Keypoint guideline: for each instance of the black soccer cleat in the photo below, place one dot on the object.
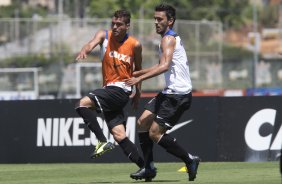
(193, 167)
(144, 173)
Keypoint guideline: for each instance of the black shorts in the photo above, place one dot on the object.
(110, 100)
(168, 108)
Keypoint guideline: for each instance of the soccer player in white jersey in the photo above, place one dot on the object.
(163, 111)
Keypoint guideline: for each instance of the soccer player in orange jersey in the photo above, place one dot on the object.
(121, 56)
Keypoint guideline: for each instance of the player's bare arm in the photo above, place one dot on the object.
(138, 67)
(167, 46)
(143, 71)
(87, 48)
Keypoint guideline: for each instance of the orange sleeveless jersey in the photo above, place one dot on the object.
(118, 60)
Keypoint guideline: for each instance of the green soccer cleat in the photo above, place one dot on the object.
(101, 148)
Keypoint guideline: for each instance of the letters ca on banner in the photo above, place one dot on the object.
(253, 137)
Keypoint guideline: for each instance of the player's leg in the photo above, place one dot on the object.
(146, 144)
(171, 146)
(85, 107)
(158, 135)
(110, 101)
(129, 149)
(143, 124)
(171, 109)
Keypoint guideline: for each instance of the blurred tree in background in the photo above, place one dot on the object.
(232, 14)
(18, 10)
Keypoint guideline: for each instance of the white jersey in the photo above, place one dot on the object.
(177, 78)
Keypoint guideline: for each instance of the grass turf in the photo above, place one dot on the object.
(90, 173)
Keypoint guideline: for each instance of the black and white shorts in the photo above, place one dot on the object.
(168, 108)
(110, 100)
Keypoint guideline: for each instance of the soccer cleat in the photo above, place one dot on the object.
(101, 148)
(144, 173)
(193, 167)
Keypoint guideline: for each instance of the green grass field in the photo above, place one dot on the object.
(89, 173)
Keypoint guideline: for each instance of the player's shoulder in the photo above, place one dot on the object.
(102, 33)
(168, 39)
(134, 41)
(132, 38)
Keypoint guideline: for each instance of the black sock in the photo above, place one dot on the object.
(131, 152)
(90, 119)
(146, 145)
(172, 147)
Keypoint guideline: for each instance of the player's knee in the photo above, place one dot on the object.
(139, 125)
(119, 137)
(154, 135)
(118, 134)
(80, 104)
(77, 105)
(139, 122)
(143, 125)
(84, 102)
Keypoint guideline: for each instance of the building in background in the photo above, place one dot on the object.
(265, 2)
(5, 2)
(49, 4)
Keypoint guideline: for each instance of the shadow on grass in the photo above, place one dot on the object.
(154, 181)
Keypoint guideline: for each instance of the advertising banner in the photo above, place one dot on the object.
(50, 131)
(250, 128)
(215, 128)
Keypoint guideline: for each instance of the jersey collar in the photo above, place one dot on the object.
(170, 32)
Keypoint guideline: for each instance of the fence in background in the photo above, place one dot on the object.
(61, 39)
(58, 38)
(19, 83)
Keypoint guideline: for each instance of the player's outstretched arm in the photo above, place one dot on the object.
(88, 47)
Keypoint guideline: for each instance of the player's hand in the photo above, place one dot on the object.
(132, 81)
(81, 55)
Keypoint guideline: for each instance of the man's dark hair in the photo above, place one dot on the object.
(123, 14)
(169, 11)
